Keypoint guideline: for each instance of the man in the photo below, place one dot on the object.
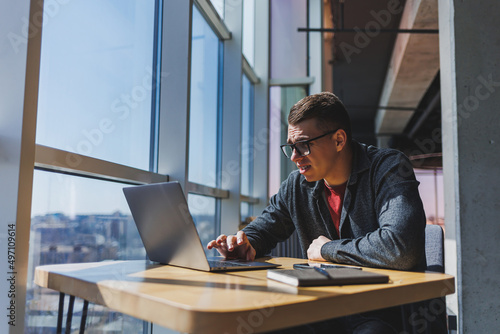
(349, 203)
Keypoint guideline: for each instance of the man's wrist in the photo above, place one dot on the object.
(328, 250)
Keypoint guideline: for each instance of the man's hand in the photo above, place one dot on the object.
(314, 250)
(233, 246)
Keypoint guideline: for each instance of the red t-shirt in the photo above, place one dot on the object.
(334, 198)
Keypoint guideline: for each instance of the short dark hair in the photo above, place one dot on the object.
(326, 108)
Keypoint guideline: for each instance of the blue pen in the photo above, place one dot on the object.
(323, 272)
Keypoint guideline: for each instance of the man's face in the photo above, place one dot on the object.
(321, 162)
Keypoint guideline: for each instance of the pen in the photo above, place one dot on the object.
(323, 272)
(340, 267)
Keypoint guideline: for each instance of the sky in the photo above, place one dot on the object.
(94, 98)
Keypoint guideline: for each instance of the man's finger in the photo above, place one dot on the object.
(230, 242)
(221, 238)
(241, 237)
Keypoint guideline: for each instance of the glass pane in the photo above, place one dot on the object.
(248, 30)
(281, 100)
(76, 220)
(431, 192)
(204, 103)
(203, 210)
(219, 7)
(246, 137)
(288, 46)
(96, 79)
(246, 214)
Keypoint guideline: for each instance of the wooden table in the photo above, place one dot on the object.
(198, 302)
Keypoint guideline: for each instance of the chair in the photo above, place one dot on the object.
(429, 316)
(434, 256)
(434, 248)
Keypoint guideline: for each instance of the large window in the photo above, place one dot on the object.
(204, 125)
(96, 80)
(247, 146)
(281, 100)
(289, 76)
(431, 192)
(131, 92)
(76, 220)
(288, 46)
(204, 103)
(96, 100)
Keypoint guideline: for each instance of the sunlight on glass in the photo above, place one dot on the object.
(246, 146)
(204, 103)
(96, 80)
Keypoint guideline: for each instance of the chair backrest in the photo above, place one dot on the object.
(434, 248)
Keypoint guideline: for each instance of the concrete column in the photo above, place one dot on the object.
(470, 95)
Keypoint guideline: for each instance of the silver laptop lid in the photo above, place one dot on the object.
(165, 225)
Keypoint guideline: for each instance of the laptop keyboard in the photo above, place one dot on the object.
(223, 264)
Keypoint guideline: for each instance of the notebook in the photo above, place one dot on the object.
(168, 232)
(333, 276)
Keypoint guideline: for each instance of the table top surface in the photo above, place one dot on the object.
(201, 302)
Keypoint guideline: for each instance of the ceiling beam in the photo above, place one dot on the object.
(413, 66)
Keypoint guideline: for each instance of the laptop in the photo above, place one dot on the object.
(168, 232)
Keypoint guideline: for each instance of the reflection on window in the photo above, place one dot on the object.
(246, 146)
(286, 42)
(76, 220)
(281, 100)
(204, 103)
(248, 30)
(203, 210)
(96, 80)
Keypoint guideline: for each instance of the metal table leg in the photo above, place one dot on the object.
(60, 313)
(69, 317)
(84, 316)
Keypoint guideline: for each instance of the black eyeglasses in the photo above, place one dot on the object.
(302, 147)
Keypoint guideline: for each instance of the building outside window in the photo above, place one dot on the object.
(95, 101)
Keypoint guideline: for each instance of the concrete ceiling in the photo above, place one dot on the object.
(386, 79)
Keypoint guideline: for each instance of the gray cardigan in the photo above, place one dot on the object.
(382, 222)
